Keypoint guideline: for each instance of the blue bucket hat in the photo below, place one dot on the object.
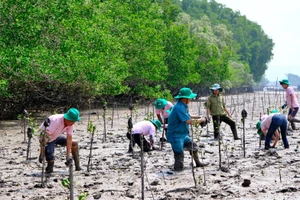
(72, 115)
(185, 93)
(216, 86)
(157, 123)
(284, 81)
(160, 103)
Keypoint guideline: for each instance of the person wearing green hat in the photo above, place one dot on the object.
(59, 124)
(162, 110)
(269, 127)
(216, 107)
(178, 129)
(142, 129)
(291, 102)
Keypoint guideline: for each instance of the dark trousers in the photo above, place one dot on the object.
(137, 139)
(49, 149)
(218, 119)
(278, 121)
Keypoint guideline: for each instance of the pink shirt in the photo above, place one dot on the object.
(57, 127)
(290, 92)
(267, 122)
(163, 111)
(145, 127)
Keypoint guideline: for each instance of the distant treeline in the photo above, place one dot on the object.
(67, 53)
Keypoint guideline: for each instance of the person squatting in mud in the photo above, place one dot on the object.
(178, 129)
(59, 124)
(269, 126)
(291, 102)
(142, 129)
(217, 109)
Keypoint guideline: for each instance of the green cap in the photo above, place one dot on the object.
(274, 111)
(284, 81)
(259, 131)
(72, 115)
(157, 123)
(160, 103)
(185, 93)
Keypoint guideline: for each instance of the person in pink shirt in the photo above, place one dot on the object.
(269, 126)
(291, 101)
(162, 110)
(59, 124)
(141, 129)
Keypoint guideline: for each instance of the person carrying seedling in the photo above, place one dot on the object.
(217, 109)
(291, 102)
(178, 129)
(162, 110)
(142, 129)
(269, 127)
(59, 124)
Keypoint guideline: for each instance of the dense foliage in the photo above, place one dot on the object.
(66, 52)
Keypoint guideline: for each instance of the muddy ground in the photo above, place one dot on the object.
(116, 174)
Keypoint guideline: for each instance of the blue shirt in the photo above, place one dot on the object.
(177, 126)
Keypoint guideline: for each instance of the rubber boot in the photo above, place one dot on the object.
(178, 165)
(235, 136)
(75, 154)
(196, 159)
(216, 135)
(49, 168)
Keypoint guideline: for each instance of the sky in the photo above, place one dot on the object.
(280, 20)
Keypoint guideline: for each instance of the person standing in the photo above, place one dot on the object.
(142, 129)
(59, 124)
(178, 129)
(217, 109)
(269, 127)
(291, 101)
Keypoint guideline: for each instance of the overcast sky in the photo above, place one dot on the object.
(280, 20)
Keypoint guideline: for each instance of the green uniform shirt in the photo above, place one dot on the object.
(216, 105)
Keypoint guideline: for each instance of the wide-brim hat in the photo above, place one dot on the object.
(157, 123)
(72, 115)
(185, 93)
(284, 81)
(259, 131)
(216, 86)
(160, 103)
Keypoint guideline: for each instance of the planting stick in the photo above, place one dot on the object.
(92, 130)
(219, 140)
(142, 166)
(29, 135)
(193, 170)
(43, 134)
(24, 124)
(104, 113)
(163, 136)
(253, 106)
(130, 126)
(69, 163)
(244, 115)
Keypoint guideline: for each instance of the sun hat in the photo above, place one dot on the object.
(185, 93)
(216, 86)
(274, 111)
(72, 115)
(160, 103)
(284, 81)
(259, 131)
(157, 123)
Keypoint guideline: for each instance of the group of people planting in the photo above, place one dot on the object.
(175, 120)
